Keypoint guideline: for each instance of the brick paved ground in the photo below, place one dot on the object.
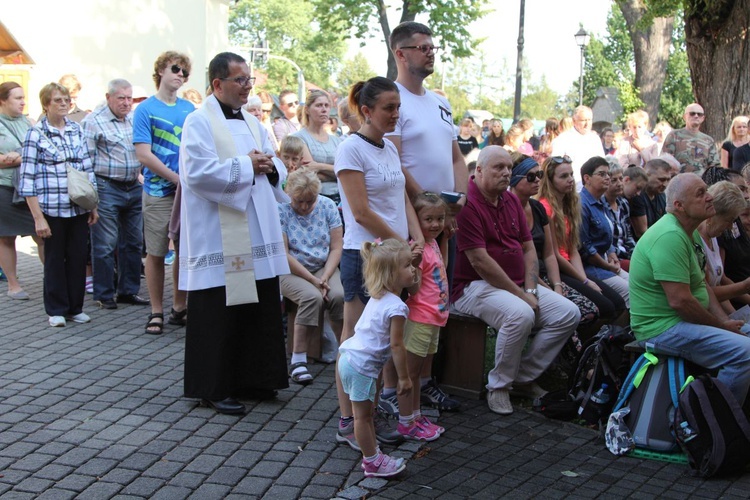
(95, 411)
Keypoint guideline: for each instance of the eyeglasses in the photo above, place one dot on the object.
(266, 110)
(695, 113)
(424, 49)
(700, 255)
(60, 100)
(561, 159)
(176, 69)
(291, 103)
(242, 81)
(532, 176)
(602, 173)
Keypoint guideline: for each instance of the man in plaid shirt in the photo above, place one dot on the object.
(109, 134)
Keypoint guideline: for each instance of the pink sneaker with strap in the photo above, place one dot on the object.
(383, 466)
(429, 425)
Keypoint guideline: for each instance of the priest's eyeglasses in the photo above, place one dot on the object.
(242, 81)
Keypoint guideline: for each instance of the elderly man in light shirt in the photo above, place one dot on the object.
(579, 143)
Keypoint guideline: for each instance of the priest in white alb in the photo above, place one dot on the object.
(231, 247)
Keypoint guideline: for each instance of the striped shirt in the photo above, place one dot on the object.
(110, 144)
(46, 151)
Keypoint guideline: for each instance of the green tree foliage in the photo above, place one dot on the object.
(288, 27)
(448, 19)
(353, 70)
(610, 62)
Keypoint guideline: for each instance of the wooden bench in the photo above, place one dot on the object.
(459, 364)
(313, 341)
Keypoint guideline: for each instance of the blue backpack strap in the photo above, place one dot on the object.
(635, 377)
(676, 374)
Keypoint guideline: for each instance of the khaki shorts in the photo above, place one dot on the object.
(421, 339)
(156, 215)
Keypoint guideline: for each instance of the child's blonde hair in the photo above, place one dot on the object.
(291, 145)
(381, 263)
(426, 199)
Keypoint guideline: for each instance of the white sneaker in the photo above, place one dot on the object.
(80, 318)
(499, 402)
(56, 321)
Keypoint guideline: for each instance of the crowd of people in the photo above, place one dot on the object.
(378, 232)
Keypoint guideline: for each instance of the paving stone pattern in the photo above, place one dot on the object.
(96, 411)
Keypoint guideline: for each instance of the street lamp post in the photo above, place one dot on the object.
(582, 40)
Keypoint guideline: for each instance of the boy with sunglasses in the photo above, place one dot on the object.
(157, 131)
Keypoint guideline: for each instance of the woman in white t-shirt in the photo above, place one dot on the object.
(374, 204)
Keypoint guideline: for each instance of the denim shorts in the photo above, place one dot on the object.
(351, 276)
(359, 387)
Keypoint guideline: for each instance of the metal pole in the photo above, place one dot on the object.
(580, 80)
(519, 66)
(300, 75)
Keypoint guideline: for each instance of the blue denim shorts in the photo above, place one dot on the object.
(359, 387)
(351, 276)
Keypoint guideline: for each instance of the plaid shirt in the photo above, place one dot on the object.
(46, 151)
(110, 144)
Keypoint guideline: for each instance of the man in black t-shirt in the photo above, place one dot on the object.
(650, 205)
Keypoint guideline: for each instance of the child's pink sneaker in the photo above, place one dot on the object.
(383, 466)
(416, 432)
(427, 424)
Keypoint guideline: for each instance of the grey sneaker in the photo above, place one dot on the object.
(389, 404)
(499, 402)
(385, 431)
(345, 434)
(433, 395)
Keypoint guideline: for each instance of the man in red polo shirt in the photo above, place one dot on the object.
(496, 279)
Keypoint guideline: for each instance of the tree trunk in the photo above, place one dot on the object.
(406, 15)
(719, 54)
(651, 52)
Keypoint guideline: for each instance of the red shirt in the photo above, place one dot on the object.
(501, 230)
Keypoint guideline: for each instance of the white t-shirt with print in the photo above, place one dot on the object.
(384, 182)
(425, 125)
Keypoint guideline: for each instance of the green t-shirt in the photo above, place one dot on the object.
(664, 253)
(12, 134)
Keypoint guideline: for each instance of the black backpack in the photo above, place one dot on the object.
(603, 360)
(712, 429)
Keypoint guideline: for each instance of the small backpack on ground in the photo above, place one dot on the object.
(600, 370)
(651, 391)
(712, 429)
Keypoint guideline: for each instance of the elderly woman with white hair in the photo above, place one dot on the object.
(638, 147)
(254, 106)
(729, 203)
(313, 236)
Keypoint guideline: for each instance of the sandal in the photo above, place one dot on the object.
(301, 376)
(153, 327)
(178, 318)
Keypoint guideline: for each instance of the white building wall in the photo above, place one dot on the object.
(99, 40)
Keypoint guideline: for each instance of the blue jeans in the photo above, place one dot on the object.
(712, 348)
(120, 228)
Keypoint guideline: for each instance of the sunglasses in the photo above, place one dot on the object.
(242, 81)
(695, 113)
(176, 70)
(291, 103)
(532, 176)
(424, 49)
(561, 159)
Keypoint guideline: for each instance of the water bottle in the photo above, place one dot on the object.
(601, 397)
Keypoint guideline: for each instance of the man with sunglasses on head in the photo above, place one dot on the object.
(694, 150)
(157, 130)
(233, 248)
(427, 144)
(289, 123)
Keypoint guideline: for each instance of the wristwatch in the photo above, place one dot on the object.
(532, 291)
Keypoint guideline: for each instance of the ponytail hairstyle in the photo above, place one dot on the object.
(381, 262)
(367, 94)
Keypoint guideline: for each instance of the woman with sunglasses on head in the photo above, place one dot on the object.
(524, 183)
(561, 202)
(320, 146)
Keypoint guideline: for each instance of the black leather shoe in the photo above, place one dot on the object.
(227, 406)
(132, 299)
(108, 304)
